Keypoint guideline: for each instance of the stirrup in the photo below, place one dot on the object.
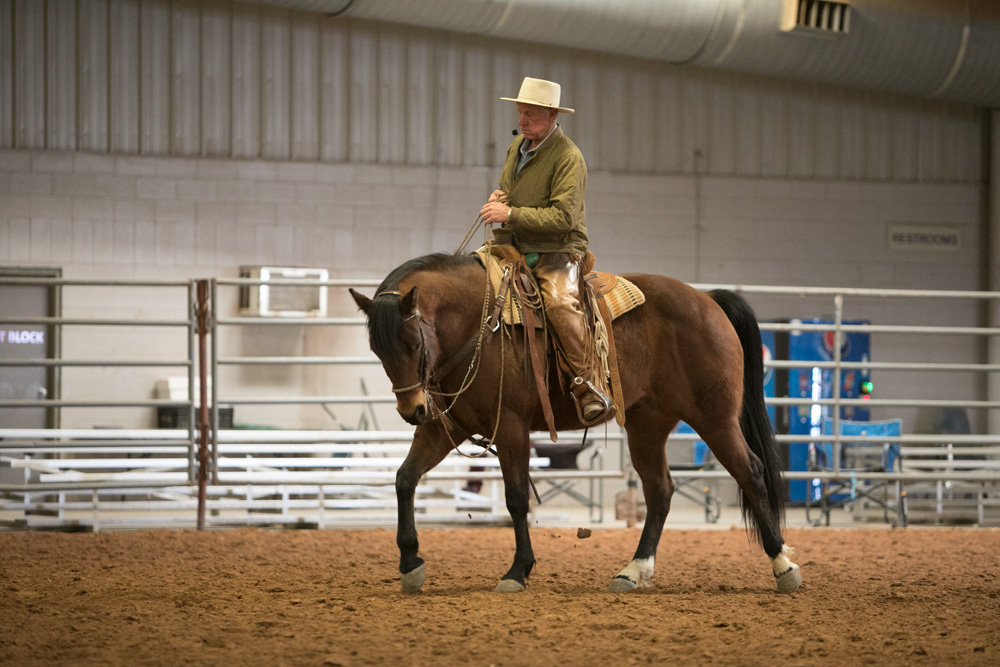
(581, 386)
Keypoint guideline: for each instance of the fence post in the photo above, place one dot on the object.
(201, 310)
(838, 323)
(993, 262)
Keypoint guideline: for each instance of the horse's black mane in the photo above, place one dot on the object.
(384, 318)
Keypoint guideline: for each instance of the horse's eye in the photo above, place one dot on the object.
(416, 346)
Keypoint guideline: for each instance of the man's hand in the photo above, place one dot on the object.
(498, 195)
(495, 213)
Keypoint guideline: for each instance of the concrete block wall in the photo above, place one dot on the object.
(108, 216)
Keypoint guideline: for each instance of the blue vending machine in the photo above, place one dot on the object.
(812, 383)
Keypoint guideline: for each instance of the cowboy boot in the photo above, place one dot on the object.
(558, 277)
(591, 403)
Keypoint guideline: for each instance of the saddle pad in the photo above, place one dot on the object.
(621, 298)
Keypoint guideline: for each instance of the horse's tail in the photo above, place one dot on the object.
(754, 422)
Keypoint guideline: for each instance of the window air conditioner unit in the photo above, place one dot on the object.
(269, 300)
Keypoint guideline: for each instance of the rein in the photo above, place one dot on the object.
(476, 345)
(473, 346)
(429, 379)
(428, 375)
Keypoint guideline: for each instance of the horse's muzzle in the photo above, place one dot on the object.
(414, 410)
(416, 417)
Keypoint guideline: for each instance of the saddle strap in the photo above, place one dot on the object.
(616, 383)
(543, 394)
(497, 315)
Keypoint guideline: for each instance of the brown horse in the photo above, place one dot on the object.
(683, 355)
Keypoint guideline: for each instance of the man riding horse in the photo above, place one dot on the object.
(540, 202)
(687, 355)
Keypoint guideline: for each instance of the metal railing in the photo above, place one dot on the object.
(59, 322)
(838, 365)
(222, 395)
(54, 443)
(933, 465)
(219, 321)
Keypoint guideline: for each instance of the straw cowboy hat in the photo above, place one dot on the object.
(540, 93)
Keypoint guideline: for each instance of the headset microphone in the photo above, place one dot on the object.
(514, 132)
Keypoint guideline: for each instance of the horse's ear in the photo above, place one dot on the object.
(364, 303)
(408, 304)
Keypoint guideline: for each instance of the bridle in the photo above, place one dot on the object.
(422, 368)
(472, 345)
(430, 378)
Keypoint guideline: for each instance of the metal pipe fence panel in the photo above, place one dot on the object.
(26, 453)
(269, 455)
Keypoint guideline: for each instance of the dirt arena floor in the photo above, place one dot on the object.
(327, 598)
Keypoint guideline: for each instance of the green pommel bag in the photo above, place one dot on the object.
(531, 259)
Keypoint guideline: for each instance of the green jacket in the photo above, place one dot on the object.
(547, 197)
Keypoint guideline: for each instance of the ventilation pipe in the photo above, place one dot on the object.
(944, 49)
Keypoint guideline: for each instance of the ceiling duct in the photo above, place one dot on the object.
(944, 49)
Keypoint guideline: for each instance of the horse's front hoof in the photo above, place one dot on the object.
(414, 580)
(789, 580)
(509, 586)
(622, 584)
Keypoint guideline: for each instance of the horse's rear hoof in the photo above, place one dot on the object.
(789, 580)
(414, 580)
(509, 586)
(622, 584)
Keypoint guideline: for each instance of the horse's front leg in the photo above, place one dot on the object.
(430, 446)
(513, 454)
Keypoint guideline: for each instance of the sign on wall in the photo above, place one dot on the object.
(924, 238)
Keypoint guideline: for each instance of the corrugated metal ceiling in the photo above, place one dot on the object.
(943, 49)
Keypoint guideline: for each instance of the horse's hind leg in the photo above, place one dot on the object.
(730, 448)
(647, 437)
(430, 446)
